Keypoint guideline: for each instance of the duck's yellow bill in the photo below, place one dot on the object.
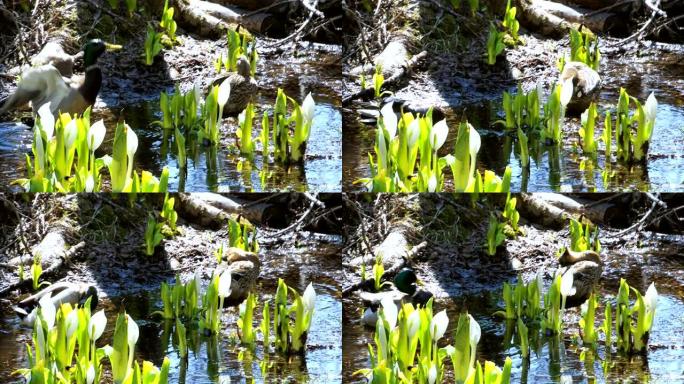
(113, 47)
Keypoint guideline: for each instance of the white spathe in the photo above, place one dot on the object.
(97, 325)
(389, 312)
(389, 120)
(439, 325)
(96, 135)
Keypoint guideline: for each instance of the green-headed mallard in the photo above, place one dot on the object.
(244, 268)
(404, 290)
(586, 267)
(586, 84)
(242, 87)
(45, 84)
(59, 293)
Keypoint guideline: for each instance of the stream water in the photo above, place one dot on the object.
(220, 168)
(563, 169)
(555, 359)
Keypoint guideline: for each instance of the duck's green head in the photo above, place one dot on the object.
(405, 281)
(94, 48)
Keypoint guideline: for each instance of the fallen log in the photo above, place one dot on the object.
(601, 213)
(49, 250)
(198, 211)
(535, 17)
(272, 215)
(536, 209)
(392, 82)
(211, 20)
(595, 21)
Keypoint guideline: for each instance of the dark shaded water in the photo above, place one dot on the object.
(218, 169)
(554, 359)
(566, 169)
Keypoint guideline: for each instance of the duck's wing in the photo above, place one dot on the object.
(53, 289)
(53, 54)
(374, 298)
(38, 85)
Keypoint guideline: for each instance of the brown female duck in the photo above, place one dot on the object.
(586, 267)
(242, 87)
(586, 84)
(244, 268)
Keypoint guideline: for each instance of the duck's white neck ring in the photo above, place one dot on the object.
(92, 67)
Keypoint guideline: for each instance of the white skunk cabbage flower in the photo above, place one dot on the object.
(413, 323)
(382, 336)
(70, 133)
(223, 93)
(651, 108)
(475, 331)
(432, 374)
(133, 331)
(439, 324)
(389, 120)
(72, 323)
(432, 183)
(97, 325)
(90, 374)
(96, 135)
(308, 108)
(390, 312)
(89, 184)
(651, 298)
(47, 309)
(566, 92)
(309, 298)
(47, 120)
(566, 287)
(413, 132)
(439, 134)
(131, 143)
(224, 282)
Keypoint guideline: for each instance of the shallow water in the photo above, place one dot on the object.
(219, 169)
(565, 169)
(553, 359)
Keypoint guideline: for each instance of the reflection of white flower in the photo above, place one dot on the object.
(389, 311)
(90, 374)
(439, 324)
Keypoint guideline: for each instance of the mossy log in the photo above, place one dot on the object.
(536, 209)
(607, 22)
(196, 210)
(536, 17)
(598, 213)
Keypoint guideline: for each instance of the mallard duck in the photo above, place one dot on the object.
(404, 290)
(244, 269)
(61, 293)
(45, 84)
(586, 85)
(242, 87)
(586, 267)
